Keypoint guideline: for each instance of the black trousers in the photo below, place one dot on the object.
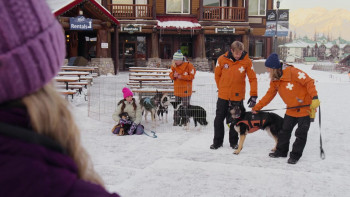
(219, 128)
(289, 123)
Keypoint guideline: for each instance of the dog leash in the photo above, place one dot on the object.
(322, 154)
(153, 136)
(266, 110)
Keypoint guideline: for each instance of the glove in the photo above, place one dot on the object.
(315, 102)
(252, 101)
(312, 113)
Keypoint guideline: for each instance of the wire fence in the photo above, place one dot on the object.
(106, 92)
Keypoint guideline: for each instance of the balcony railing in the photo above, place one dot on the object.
(131, 11)
(235, 14)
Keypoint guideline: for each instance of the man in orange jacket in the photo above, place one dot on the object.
(183, 74)
(296, 88)
(230, 74)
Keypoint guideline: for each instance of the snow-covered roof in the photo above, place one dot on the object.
(178, 22)
(55, 5)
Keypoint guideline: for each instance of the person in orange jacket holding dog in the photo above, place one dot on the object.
(230, 74)
(183, 74)
(296, 88)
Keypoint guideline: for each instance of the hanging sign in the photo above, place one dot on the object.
(282, 23)
(80, 23)
(225, 30)
(131, 29)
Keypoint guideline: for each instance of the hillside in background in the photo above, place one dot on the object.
(320, 20)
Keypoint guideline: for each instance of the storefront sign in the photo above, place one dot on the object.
(131, 29)
(225, 30)
(80, 23)
(104, 45)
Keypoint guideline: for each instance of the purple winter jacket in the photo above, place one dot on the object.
(34, 165)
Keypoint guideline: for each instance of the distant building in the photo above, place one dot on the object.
(306, 50)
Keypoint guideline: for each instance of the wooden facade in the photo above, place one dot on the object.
(143, 39)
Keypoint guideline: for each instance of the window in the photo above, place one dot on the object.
(257, 7)
(177, 6)
(214, 3)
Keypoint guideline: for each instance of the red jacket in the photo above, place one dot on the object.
(230, 77)
(183, 84)
(295, 87)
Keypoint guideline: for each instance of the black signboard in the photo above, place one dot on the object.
(225, 30)
(131, 29)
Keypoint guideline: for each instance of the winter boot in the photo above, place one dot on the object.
(214, 146)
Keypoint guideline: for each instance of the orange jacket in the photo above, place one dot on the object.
(183, 85)
(295, 87)
(230, 77)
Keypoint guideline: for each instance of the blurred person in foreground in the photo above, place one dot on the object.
(230, 75)
(40, 148)
(183, 74)
(296, 88)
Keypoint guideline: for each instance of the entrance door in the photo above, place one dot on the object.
(129, 51)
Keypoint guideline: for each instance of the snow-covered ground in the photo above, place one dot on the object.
(180, 163)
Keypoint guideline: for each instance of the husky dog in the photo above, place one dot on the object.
(198, 114)
(247, 122)
(163, 107)
(151, 104)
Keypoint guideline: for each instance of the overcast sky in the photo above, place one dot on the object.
(329, 4)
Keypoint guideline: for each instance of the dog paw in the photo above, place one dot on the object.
(273, 150)
(236, 152)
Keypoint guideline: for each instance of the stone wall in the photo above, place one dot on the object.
(105, 65)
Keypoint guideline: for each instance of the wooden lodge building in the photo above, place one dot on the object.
(128, 33)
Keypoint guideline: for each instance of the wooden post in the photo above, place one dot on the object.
(245, 40)
(246, 10)
(116, 44)
(200, 14)
(102, 37)
(154, 9)
(199, 46)
(155, 48)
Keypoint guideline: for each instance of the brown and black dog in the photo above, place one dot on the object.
(247, 122)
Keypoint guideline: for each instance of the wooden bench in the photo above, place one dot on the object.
(147, 68)
(83, 83)
(148, 75)
(67, 92)
(152, 91)
(72, 87)
(148, 71)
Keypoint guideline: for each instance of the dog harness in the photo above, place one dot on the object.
(253, 122)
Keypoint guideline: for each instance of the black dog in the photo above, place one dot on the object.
(247, 122)
(125, 123)
(198, 114)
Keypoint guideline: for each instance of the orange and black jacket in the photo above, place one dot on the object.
(183, 86)
(230, 75)
(295, 87)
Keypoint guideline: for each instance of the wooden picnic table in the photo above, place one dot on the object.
(142, 79)
(148, 75)
(73, 73)
(66, 80)
(78, 68)
(147, 68)
(149, 71)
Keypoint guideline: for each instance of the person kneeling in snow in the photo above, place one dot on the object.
(128, 106)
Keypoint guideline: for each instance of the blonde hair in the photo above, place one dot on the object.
(237, 45)
(276, 74)
(50, 116)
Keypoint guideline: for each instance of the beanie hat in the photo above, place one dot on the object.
(178, 55)
(273, 61)
(127, 92)
(32, 47)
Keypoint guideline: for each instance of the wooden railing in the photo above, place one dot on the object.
(235, 14)
(131, 11)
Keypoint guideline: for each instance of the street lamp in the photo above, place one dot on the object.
(277, 6)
